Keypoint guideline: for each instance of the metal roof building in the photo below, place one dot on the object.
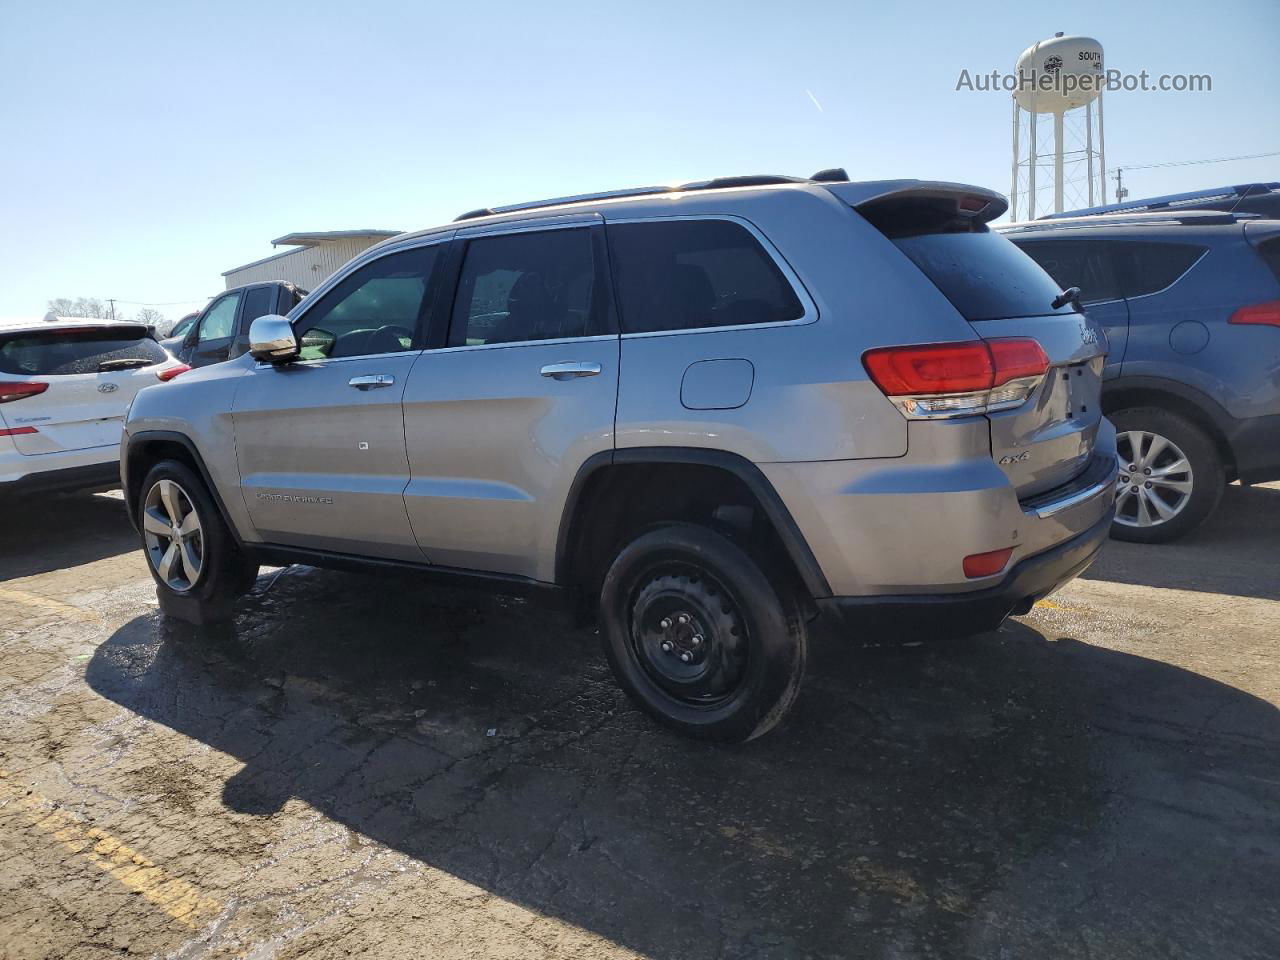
(316, 255)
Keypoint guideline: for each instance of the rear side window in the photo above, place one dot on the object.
(1145, 268)
(1076, 263)
(1269, 251)
(691, 274)
(983, 275)
(258, 302)
(524, 286)
(69, 352)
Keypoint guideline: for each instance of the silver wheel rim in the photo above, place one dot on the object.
(171, 530)
(1155, 480)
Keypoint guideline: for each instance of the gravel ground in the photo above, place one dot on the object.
(371, 767)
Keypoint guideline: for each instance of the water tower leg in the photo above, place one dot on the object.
(1102, 153)
(1088, 147)
(1032, 118)
(1057, 162)
(1013, 190)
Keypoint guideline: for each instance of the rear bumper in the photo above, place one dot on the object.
(1033, 578)
(1255, 444)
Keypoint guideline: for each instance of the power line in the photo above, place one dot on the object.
(1192, 163)
(170, 303)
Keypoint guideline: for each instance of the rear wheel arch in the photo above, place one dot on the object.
(618, 494)
(1201, 410)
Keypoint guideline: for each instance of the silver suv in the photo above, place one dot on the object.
(707, 414)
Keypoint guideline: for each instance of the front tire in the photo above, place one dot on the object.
(1171, 475)
(699, 636)
(191, 554)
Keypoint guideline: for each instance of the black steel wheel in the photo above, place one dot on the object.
(700, 636)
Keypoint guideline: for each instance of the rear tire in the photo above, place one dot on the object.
(699, 636)
(1177, 480)
(192, 556)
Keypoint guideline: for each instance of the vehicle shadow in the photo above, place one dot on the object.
(56, 531)
(990, 796)
(1236, 551)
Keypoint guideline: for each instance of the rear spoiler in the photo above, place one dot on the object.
(975, 203)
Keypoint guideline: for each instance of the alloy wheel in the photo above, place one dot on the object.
(173, 536)
(1155, 480)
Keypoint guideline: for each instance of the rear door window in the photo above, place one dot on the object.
(691, 274)
(1146, 268)
(1086, 264)
(983, 275)
(258, 302)
(535, 285)
(68, 352)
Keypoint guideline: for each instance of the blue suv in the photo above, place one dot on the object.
(1190, 300)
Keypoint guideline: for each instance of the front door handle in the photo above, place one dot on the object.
(569, 369)
(372, 381)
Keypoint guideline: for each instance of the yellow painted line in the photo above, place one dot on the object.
(47, 603)
(181, 900)
(1049, 605)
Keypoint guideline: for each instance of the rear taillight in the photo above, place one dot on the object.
(17, 431)
(958, 379)
(19, 389)
(986, 564)
(1263, 314)
(171, 372)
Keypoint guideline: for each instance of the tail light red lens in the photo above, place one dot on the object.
(986, 564)
(957, 379)
(167, 375)
(20, 389)
(17, 431)
(1264, 314)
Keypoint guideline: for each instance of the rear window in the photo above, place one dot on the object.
(67, 352)
(690, 274)
(983, 275)
(1076, 263)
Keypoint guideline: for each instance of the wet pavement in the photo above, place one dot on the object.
(372, 767)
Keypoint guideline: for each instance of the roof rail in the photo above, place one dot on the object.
(831, 175)
(1173, 201)
(1190, 218)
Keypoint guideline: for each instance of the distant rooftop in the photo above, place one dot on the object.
(313, 239)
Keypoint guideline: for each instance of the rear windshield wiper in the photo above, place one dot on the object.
(126, 364)
(1070, 295)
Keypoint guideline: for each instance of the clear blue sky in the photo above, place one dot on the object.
(145, 148)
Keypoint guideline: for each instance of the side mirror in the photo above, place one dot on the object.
(271, 340)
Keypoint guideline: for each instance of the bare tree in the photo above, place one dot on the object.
(79, 307)
(152, 316)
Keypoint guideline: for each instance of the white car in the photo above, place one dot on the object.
(65, 387)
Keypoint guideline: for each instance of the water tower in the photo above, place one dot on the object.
(1061, 77)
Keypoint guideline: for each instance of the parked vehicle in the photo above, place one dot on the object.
(64, 390)
(1262, 199)
(1191, 304)
(709, 413)
(221, 330)
(172, 341)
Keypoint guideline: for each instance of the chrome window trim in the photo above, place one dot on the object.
(520, 343)
(528, 225)
(810, 314)
(1176, 280)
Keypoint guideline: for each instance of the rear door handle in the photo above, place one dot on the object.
(372, 381)
(569, 369)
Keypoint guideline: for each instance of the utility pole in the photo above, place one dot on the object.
(113, 308)
(1121, 192)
